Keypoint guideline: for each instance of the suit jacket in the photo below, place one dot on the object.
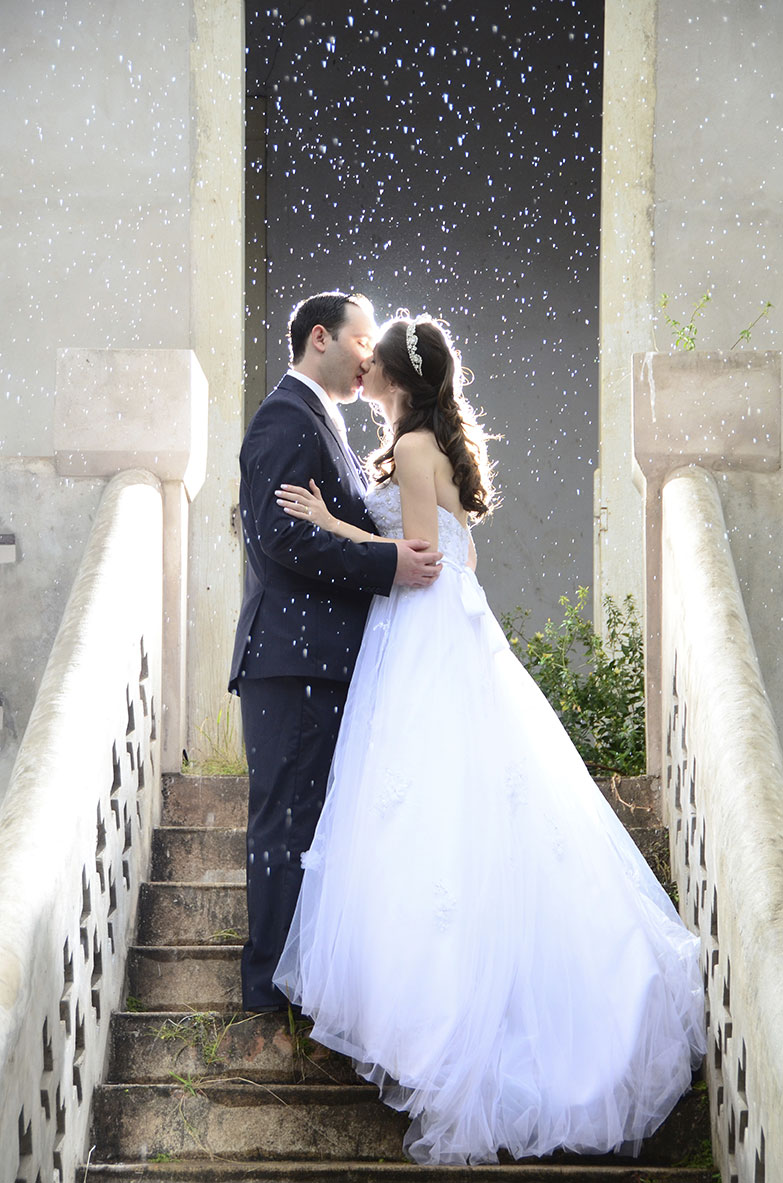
(307, 592)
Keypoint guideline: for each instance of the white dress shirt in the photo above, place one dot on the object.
(335, 415)
(329, 405)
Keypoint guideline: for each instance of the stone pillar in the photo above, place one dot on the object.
(626, 286)
(716, 410)
(217, 313)
(143, 408)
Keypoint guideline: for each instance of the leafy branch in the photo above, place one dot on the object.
(685, 332)
(595, 685)
(745, 334)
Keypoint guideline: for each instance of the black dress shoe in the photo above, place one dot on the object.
(275, 1008)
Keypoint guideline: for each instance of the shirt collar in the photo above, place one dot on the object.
(331, 408)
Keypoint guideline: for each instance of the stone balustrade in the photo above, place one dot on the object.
(720, 410)
(75, 828)
(723, 803)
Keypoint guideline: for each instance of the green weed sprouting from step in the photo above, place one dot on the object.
(322, 1132)
(302, 1048)
(301, 1045)
(700, 1158)
(199, 1030)
(162, 1157)
(134, 1004)
(205, 1032)
(595, 685)
(190, 1084)
(190, 1129)
(226, 936)
(219, 749)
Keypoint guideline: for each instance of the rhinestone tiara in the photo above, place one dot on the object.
(412, 341)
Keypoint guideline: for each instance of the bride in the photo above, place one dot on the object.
(475, 927)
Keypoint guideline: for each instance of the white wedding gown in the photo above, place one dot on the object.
(475, 927)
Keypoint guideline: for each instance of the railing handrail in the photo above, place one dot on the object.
(724, 772)
(74, 836)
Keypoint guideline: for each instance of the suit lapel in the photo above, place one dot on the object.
(316, 406)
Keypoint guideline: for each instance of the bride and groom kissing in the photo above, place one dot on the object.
(431, 873)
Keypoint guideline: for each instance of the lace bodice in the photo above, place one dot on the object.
(383, 502)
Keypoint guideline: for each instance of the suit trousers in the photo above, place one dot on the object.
(290, 726)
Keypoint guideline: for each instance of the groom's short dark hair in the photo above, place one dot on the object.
(327, 309)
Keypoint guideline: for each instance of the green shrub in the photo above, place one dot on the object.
(596, 686)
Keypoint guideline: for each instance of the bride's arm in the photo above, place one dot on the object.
(309, 506)
(414, 456)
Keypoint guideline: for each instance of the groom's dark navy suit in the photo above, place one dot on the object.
(306, 599)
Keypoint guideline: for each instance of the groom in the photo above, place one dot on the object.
(307, 593)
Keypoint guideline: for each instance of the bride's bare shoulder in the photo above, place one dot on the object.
(416, 446)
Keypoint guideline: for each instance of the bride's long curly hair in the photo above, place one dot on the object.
(435, 402)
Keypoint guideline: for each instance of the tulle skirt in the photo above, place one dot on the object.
(475, 928)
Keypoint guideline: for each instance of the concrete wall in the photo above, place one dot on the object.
(448, 162)
(692, 201)
(35, 586)
(719, 165)
(95, 191)
(121, 196)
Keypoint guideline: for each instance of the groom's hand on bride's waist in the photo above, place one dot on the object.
(417, 565)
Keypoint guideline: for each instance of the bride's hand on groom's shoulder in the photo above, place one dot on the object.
(417, 565)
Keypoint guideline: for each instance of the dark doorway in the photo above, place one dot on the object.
(445, 157)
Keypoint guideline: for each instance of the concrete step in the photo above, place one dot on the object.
(186, 977)
(357, 1172)
(192, 914)
(283, 1121)
(205, 801)
(246, 1120)
(150, 1048)
(216, 913)
(205, 855)
(198, 854)
(222, 800)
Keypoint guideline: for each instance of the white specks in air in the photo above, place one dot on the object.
(447, 158)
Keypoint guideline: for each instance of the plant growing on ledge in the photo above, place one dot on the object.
(596, 686)
(685, 332)
(220, 751)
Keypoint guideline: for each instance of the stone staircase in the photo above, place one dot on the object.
(196, 1090)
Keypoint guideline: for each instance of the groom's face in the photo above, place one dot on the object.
(345, 357)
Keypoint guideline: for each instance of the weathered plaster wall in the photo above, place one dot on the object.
(95, 192)
(34, 588)
(692, 200)
(719, 166)
(121, 193)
